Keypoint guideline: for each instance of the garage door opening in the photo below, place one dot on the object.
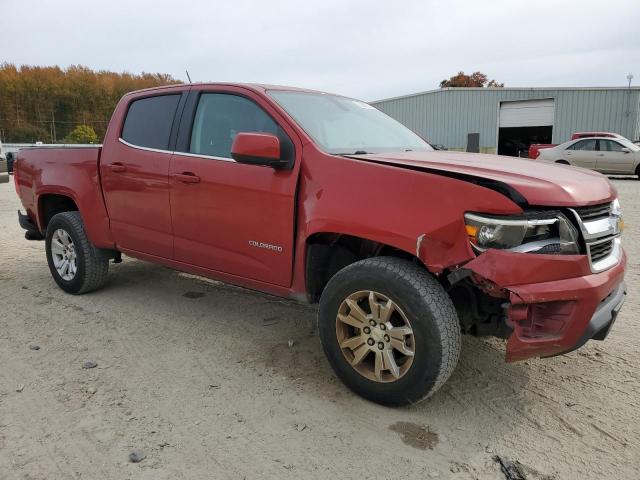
(515, 141)
(522, 123)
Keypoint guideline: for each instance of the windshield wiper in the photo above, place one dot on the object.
(357, 152)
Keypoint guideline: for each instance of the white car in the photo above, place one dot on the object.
(605, 155)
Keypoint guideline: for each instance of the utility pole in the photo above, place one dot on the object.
(53, 126)
(628, 112)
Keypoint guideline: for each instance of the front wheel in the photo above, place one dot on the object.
(389, 330)
(76, 265)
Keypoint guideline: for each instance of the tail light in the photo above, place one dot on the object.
(15, 175)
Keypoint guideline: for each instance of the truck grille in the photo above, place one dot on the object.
(601, 250)
(594, 212)
(600, 228)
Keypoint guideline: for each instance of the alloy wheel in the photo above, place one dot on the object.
(375, 336)
(63, 252)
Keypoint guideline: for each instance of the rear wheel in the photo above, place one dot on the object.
(638, 172)
(76, 265)
(389, 330)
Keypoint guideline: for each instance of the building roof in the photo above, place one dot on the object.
(499, 89)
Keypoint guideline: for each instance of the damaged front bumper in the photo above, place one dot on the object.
(556, 303)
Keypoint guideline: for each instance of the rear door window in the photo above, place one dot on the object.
(588, 145)
(149, 120)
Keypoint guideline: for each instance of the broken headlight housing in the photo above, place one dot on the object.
(533, 233)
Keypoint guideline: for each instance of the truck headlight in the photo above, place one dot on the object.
(552, 234)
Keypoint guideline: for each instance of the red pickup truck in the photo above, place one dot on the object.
(323, 198)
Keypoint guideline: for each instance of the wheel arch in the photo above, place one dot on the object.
(56, 199)
(329, 252)
(50, 204)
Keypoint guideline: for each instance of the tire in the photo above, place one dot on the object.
(419, 301)
(10, 162)
(91, 263)
(638, 172)
(563, 162)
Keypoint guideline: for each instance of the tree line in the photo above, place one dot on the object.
(74, 104)
(47, 104)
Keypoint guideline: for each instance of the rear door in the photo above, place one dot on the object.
(582, 153)
(613, 159)
(230, 217)
(135, 175)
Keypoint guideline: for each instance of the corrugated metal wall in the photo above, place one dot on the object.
(446, 116)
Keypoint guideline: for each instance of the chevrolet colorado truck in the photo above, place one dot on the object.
(323, 198)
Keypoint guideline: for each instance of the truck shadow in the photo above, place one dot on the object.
(276, 339)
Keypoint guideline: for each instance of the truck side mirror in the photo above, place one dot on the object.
(255, 148)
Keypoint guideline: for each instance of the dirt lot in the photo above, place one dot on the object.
(213, 381)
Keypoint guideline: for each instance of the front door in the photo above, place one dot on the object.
(230, 217)
(582, 153)
(612, 158)
(135, 177)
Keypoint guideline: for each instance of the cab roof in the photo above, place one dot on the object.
(257, 87)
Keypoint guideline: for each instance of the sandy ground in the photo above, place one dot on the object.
(201, 377)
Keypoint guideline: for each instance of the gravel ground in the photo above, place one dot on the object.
(198, 379)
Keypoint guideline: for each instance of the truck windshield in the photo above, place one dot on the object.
(344, 126)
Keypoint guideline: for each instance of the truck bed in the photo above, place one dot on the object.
(70, 171)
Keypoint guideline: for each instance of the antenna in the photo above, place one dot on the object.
(187, 71)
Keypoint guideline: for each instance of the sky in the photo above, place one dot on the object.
(365, 49)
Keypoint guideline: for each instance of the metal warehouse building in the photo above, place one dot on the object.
(508, 120)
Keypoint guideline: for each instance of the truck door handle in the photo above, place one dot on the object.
(187, 177)
(117, 167)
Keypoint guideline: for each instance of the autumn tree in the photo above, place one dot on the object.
(476, 79)
(82, 134)
(48, 103)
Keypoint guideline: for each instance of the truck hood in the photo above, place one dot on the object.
(540, 183)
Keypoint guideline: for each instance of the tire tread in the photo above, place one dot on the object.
(96, 262)
(438, 301)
